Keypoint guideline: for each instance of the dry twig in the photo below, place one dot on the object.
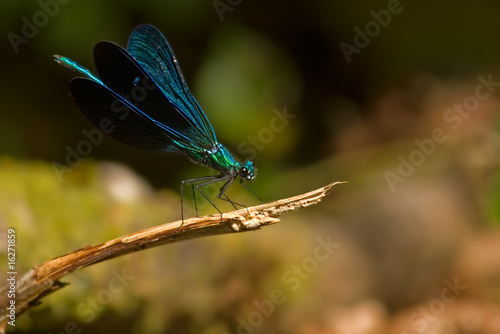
(43, 280)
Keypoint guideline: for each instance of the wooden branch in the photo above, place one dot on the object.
(43, 280)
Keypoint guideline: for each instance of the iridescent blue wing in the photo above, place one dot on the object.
(153, 52)
(126, 78)
(118, 118)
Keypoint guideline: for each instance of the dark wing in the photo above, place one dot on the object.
(121, 73)
(152, 50)
(118, 118)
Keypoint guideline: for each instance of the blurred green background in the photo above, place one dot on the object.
(416, 228)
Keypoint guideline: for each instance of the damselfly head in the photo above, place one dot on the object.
(247, 171)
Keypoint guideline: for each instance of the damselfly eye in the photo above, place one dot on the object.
(243, 172)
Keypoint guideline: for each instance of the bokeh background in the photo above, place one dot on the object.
(416, 230)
